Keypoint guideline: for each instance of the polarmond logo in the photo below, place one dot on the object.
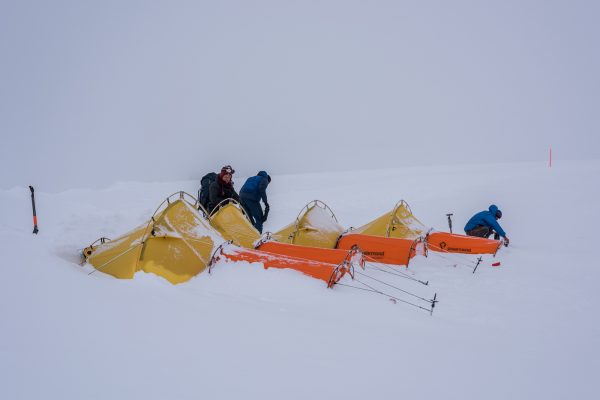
(374, 253)
(443, 246)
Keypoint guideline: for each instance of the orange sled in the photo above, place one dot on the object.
(452, 243)
(328, 272)
(381, 249)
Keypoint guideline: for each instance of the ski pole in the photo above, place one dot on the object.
(35, 227)
(450, 221)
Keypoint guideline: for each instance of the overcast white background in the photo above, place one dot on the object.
(93, 92)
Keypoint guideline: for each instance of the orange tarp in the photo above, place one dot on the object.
(452, 243)
(331, 256)
(330, 273)
(380, 249)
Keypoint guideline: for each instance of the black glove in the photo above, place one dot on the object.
(267, 208)
(506, 241)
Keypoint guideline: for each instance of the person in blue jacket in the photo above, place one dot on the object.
(253, 191)
(484, 223)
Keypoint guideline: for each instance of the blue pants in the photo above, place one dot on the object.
(255, 212)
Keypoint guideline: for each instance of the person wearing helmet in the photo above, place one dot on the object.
(222, 188)
(253, 191)
(485, 223)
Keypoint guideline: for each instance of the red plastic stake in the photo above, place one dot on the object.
(35, 227)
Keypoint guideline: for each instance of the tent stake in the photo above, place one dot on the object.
(477, 265)
(433, 301)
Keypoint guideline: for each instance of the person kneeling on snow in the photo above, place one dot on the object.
(484, 223)
(255, 189)
(222, 188)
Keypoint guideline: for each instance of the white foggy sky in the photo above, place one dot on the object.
(93, 92)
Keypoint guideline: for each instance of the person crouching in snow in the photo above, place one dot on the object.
(484, 223)
(222, 188)
(255, 189)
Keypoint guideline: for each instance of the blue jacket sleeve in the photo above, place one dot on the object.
(495, 225)
(262, 189)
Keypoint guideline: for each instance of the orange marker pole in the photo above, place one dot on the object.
(35, 227)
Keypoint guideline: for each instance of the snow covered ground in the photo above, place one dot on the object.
(525, 330)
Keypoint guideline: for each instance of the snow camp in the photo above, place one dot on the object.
(171, 248)
(297, 200)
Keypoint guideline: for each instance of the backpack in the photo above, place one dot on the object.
(205, 183)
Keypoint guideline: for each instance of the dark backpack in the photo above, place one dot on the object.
(205, 183)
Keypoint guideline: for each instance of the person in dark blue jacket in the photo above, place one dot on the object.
(484, 223)
(253, 191)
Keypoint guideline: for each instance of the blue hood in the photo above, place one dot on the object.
(264, 175)
(493, 208)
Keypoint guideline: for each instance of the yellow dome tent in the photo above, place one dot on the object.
(176, 244)
(230, 219)
(399, 223)
(315, 226)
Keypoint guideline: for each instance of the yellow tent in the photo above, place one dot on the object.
(399, 223)
(230, 220)
(315, 226)
(176, 244)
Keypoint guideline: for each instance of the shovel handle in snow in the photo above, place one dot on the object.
(450, 221)
(35, 227)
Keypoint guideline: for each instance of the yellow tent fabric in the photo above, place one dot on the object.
(230, 220)
(399, 223)
(315, 226)
(176, 243)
